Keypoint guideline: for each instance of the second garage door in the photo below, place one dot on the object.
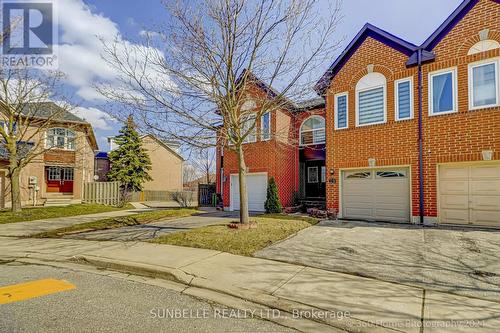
(470, 194)
(378, 195)
(256, 188)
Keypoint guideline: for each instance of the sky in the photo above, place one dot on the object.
(82, 21)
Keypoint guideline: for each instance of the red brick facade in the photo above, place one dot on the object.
(453, 137)
(278, 157)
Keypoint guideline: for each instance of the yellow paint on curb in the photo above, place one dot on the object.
(32, 289)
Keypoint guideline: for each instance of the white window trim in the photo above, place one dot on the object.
(254, 130)
(313, 130)
(384, 86)
(396, 97)
(453, 71)
(346, 94)
(65, 139)
(473, 65)
(262, 127)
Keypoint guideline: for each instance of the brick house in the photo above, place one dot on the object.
(63, 162)
(413, 132)
(277, 149)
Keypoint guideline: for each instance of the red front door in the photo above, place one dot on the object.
(59, 179)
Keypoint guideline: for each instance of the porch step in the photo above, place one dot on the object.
(58, 201)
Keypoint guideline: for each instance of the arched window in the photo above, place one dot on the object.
(371, 92)
(312, 131)
(483, 46)
(60, 138)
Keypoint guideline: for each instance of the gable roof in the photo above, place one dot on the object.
(164, 145)
(450, 23)
(368, 30)
(46, 110)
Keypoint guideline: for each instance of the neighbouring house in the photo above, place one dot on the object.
(412, 132)
(102, 166)
(64, 163)
(166, 163)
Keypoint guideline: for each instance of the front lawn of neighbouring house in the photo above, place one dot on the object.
(270, 229)
(40, 213)
(118, 222)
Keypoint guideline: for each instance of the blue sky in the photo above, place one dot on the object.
(81, 20)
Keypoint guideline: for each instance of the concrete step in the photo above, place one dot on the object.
(58, 201)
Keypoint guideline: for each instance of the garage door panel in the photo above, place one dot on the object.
(485, 187)
(359, 213)
(455, 201)
(489, 171)
(486, 202)
(358, 200)
(455, 216)
(454, 187)
(485, 217)
(391, 214)
(455, 173)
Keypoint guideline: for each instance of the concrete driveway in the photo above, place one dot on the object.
(156, 229)
(457, 260)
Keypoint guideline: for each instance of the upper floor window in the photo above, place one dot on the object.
(403, 90)
(341, 113)
(248, 126)
(483, 84)
(312, 131)
(265, 126)
(443, 92)
(371, 100)
(60, 138)
(4, 124)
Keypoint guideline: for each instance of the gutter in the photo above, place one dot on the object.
(420, 139)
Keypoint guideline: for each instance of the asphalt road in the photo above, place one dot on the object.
(101, 303)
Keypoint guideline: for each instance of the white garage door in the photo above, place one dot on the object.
(377, 195)
(256, 188)
(470, 194)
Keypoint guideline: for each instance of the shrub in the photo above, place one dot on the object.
(273, 204)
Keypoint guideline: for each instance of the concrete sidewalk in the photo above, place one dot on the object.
(342, 301)
(29, 228)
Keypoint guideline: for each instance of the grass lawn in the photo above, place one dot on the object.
(39, 213)
(118, 222)
(270, 229)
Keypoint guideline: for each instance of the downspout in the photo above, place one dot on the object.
(420, 139)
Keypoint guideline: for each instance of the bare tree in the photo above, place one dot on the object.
(204, 161)
(203, 79)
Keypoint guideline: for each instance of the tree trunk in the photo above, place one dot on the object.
(244, 217)
(15, 190)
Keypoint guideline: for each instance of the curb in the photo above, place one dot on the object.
(221, 293)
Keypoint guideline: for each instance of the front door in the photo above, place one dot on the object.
(59, 179)
(315, 179)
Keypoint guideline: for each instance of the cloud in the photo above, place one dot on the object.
(97, 118)
(81, 45)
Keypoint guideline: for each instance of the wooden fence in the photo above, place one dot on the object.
(165, 197)
(105, 193)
